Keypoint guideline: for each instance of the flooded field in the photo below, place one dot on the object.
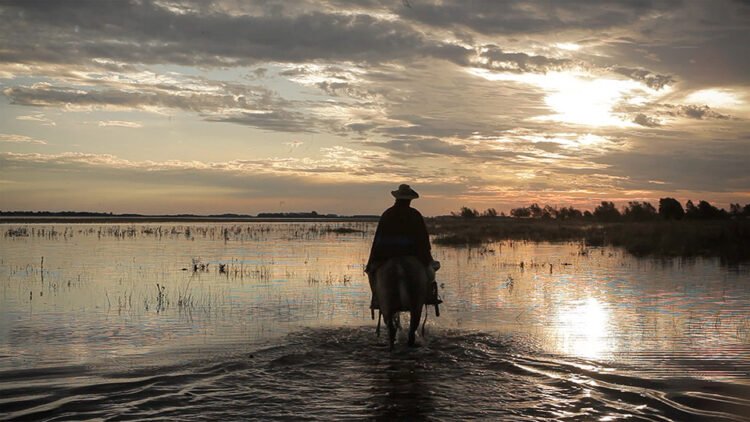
(271, 320)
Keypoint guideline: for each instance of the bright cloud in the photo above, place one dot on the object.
(20, 139)
(37, 117)
(119, 123)
(716, 98)
(580, 98)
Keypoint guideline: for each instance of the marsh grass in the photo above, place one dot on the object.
(726, 239)
(329, 279)
(247, 232)
(344, 230)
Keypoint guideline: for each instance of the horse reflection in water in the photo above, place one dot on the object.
(401, 285)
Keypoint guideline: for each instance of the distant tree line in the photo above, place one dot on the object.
(58, 213)
(311, 214)
(668, 209)
(467, 212)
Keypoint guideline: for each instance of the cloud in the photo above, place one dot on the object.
(149, 32)
(699, 112)
(215, 101)
(415, 146)
(650, 79)
(141, 96)
(280, 121)
(205, 36)
(494, 58)
(293, 144)
(520, 17)
(37, 117)
(119, 123)
(482, 98)
(20, 139)
(686, 169)
(338, 161)
(644, 120)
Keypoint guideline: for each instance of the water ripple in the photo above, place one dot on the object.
(323, 374)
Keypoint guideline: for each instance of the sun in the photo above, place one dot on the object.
(580, 98)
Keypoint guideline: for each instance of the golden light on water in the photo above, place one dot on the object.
(583, 329)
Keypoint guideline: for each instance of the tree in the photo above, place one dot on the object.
(606, 211)
(670, 209)
(691, 211)
(489, 212)
(521, 212)
(467, 212)
(536, 210)
(549, 212)
(706, 211)
(639, 211)
(569, 213)
(735, 210)
(746, 210)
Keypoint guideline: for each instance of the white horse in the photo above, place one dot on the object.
(401, 285)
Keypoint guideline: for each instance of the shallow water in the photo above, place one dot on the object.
(528, 331)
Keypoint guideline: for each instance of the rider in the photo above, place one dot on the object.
(401, 232)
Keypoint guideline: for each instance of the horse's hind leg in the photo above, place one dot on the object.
(391, 331)
(416, 315)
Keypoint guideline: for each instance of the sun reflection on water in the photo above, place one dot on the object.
(583, 329)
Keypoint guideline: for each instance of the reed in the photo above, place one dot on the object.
(725, 239)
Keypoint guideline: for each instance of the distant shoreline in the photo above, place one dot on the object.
(177, 219)
(727, 239)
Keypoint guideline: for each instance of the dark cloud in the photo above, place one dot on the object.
(415, 147)
(698, 112)
(496, 59)
(236, 104)
(685, 168)
(644, 120)
(145, 32)
(361, 127)
(650, 79)
(523, 17)
(193, 95)
(279, 121)
(653, 115)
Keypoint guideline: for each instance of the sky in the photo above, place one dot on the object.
(279, 106)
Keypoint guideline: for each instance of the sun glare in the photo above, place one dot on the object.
(582, 329)
(579, 98)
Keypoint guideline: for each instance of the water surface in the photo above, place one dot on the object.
(270, 320)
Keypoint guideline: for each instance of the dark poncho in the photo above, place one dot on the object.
(401, 232)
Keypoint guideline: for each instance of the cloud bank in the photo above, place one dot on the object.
(488, 103)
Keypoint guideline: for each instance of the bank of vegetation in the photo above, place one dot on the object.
(669, 230)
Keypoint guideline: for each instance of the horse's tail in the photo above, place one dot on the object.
(403, 284)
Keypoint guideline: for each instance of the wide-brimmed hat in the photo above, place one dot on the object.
(404, 192)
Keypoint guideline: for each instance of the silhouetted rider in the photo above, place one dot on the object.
(401, 232)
